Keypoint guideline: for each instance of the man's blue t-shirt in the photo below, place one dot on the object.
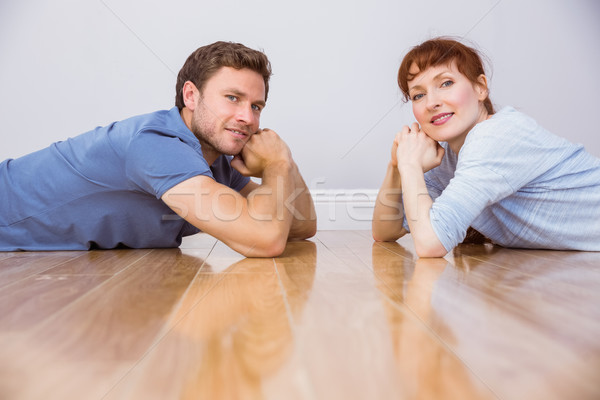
(102, 189)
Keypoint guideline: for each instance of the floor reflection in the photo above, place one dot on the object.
(164, 328)
(549, 291)
(427, 367)
(233, 329)
(494, 311)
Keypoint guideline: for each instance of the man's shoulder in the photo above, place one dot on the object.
(162, 123)
(158, 120)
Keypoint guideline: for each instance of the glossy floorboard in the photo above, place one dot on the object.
(336, 317)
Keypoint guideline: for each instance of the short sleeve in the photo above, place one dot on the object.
(156, 161)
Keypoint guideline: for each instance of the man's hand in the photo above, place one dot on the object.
(266, 149)
(272, 208)
(262, 149)
(416, 148)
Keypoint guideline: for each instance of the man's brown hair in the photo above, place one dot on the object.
(203, 63)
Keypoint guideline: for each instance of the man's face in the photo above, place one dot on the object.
(228, 110)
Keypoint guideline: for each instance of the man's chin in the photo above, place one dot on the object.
(232, 151)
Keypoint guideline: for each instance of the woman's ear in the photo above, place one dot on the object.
(190, 95)
(482, 87)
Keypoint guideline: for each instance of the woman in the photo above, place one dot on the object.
(500, 173)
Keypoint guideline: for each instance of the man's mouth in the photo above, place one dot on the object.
(441, 118)
(238, 133)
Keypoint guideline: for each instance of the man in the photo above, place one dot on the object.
(149, 180)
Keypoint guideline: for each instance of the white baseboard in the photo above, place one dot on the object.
(344, 209)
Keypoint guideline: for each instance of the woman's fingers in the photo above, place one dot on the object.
(415, 128)
(440, 153)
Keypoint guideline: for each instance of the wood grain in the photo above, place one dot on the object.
(335, 317)
(16, 266)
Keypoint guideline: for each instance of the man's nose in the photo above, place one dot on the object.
(246, 115)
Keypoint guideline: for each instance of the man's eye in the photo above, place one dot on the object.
(255, 107)
(231, 97)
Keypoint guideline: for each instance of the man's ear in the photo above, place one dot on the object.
(482, 87)
(190, 95)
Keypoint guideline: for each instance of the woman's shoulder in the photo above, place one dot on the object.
(510, 129)
(508, 119)
(514, 145)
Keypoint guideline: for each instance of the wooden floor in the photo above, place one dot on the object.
(336, 317)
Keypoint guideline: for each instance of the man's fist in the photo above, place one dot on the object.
(264, 148)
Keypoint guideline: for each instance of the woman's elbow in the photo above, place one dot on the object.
(384, 238)
(382, 235)
(425, 250)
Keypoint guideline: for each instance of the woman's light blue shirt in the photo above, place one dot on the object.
(519, 185)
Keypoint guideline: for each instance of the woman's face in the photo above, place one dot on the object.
(446, 104)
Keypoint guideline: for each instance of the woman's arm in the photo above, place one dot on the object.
(418, 153)
(388, 215)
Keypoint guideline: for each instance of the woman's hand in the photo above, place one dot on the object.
(414, 147)
(394, 161)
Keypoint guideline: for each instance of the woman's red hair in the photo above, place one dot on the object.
(443, 51)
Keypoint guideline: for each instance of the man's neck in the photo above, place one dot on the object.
(186, 116)
(210, 155)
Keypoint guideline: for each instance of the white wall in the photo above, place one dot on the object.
(70, 65)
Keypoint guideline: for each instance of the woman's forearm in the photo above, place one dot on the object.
(417, 206)
(388, 215)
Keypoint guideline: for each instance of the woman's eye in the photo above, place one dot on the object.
(447, 83)
(417, 96)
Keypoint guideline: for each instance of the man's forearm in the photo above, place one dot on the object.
(266, 204)
(304, 223)
(257, 225)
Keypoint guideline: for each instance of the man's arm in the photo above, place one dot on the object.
(300, 204)
(304, 224)
(257, 225)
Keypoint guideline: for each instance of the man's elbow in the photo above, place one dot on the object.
(274, 250)
(267, 245)
(307, 230)
(313, 229)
